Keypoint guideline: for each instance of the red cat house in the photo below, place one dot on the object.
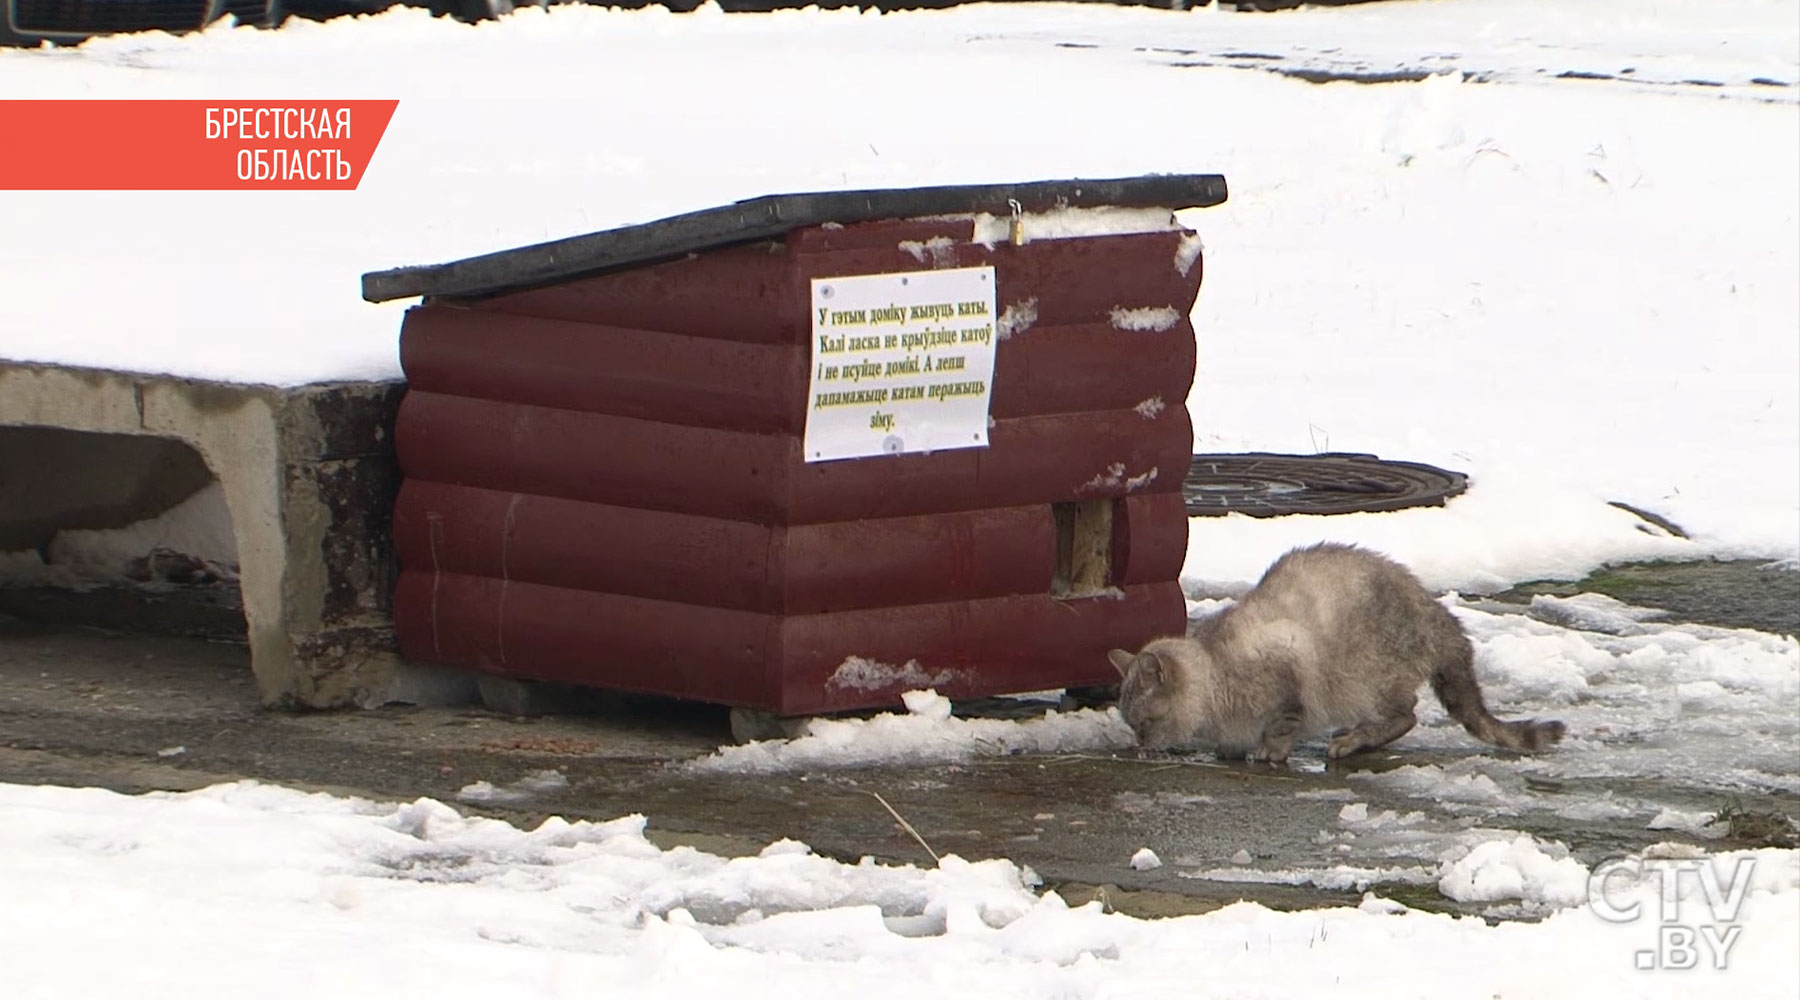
(806, 452)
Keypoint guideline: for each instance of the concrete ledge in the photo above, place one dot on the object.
(308, 474)
(55, 479)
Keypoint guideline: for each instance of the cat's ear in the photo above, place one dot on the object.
(1150, 667)
(1121, 661)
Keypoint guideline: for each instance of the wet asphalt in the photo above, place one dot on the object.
(137, 713)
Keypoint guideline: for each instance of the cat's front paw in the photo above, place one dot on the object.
(1343, 746)
(1267, 755)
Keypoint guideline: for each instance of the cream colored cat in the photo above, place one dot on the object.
(1334, 639)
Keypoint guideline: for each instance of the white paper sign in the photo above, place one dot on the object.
(901, 363)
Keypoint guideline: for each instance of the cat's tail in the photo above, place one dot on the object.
(1455, 686)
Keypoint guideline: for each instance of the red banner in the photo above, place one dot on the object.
(189, 145)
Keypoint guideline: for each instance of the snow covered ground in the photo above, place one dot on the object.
(248, 889)
(1575, 289)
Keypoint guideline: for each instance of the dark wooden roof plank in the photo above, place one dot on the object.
(768, 217)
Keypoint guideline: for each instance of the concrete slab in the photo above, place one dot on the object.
(308, 474)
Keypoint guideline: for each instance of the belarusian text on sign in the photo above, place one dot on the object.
(901, 363)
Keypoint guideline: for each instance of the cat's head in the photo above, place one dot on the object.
(1149, 697)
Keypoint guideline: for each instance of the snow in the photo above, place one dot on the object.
(938, 248)
(1695, 824)
(1430, 781)
(1593, 613)
(862, 674)
(1515, 324)
(1517, 869)
(199, 527)
(1514, 524)
(1576, 290)
(243, 888)
(522, 790)
(1017, 317)
(1572, 289)
(1070, 223)
(1629, 700)
(1145, 318)
(1188, 251)
(926, 734)
(1144, 859)
(1326, 794)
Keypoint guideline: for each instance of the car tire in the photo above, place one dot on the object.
(489, 10)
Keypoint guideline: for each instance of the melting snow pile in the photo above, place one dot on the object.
(1515, 869)
(522, 790)
(926, 734)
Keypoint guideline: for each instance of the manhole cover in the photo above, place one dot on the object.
(1264, 485)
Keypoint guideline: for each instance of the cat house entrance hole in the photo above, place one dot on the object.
(1084, 531)
(120, 531)
(1261, 484)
